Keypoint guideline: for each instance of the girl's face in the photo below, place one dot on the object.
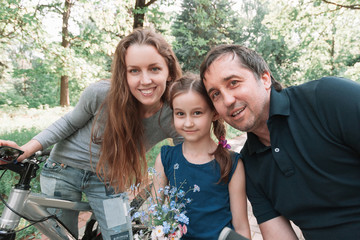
(146, 74)
(192, 116)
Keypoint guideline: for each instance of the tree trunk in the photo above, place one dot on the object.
(139, 17)
(64, 88)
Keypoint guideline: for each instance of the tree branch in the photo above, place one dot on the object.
(354, 6)
(149, 3)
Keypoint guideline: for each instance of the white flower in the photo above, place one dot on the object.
(159, 231)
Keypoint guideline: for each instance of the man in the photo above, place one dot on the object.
(302, 154)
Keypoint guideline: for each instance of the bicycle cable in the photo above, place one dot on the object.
(32, 222)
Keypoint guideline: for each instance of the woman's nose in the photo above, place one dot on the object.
(145, 78)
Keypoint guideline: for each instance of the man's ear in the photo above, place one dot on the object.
(216, 116)
(266, 79)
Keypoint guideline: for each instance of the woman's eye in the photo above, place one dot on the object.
(133, 71)
(155, 69)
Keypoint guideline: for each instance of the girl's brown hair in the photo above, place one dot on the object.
(122, 154)
(191, 82)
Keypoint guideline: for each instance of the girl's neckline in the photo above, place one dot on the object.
(194, 163)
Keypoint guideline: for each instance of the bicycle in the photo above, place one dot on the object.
(22, 203)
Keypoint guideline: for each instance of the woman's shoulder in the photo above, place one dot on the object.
(99, 88)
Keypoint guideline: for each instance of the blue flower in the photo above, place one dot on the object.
(134, 187)
(181, 205)
(166, 190)
(165, 208)
(182, 218)
(166, 226)
(173, 190)
(152, 207)
(181, 193)
(172, 205)
(136, 215)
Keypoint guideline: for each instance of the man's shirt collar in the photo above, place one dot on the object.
(279, 105)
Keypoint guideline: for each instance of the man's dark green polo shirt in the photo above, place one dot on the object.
(311, 172)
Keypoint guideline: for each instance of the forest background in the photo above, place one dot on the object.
(50, 50)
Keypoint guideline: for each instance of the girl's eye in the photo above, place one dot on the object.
(197, 113)
(179, 114)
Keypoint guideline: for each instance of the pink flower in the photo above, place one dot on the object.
(175, 236)
(183, 229)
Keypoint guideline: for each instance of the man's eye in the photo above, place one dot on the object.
(233, 83)
(214, 95)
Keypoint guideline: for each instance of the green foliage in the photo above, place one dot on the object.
(258, 36)
(301, 40)
(201, 25)
(153, 152)
(37, 87)
(31, 69)
(323, 38)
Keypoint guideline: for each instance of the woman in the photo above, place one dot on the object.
(110, 128)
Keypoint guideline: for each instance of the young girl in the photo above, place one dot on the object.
(125, 116)
(200, 161)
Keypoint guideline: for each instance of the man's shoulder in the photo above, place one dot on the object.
(329, 82)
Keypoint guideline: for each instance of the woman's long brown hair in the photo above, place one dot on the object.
(191, 82)
(122, 154)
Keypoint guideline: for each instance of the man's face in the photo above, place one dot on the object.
(239, 98)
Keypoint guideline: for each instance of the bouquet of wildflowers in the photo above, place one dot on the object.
(165, 217)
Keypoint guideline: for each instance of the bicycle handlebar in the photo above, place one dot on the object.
(27, 168)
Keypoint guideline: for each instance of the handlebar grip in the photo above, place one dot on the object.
(45, 152)
(229, 234)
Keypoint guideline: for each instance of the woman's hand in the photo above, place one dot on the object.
(9, 144)
(29, 148)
